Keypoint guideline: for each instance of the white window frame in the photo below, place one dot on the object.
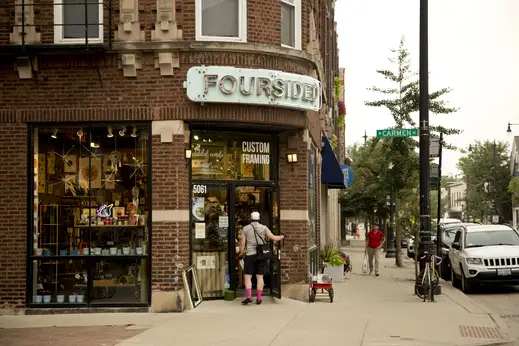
(242, 24)
(58, 28)
(297, 22)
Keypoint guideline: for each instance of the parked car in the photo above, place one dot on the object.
(410, 241)
(482, 254)
(448, 231)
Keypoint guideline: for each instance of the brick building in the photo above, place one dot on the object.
(138, 135)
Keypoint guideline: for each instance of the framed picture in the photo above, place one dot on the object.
(118, 212)
(70, 163)
(91, 172)
(107, 163)
(190, 280)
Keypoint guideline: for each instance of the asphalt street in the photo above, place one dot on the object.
(504, 300)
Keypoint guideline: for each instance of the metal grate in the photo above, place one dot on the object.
(481, 332)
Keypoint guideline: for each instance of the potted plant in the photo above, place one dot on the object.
(333, 263)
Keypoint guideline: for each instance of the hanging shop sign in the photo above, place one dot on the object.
(224, 84)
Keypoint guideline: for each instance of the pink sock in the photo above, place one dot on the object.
(249, 292)
(258, 294)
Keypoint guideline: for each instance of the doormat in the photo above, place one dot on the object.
(481, 332)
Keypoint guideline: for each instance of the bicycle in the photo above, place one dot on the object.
(429, 285)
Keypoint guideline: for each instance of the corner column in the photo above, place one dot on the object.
(170, 215)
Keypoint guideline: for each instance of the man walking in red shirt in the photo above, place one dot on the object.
(374, 243)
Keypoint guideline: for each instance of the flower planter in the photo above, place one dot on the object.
(336, 273)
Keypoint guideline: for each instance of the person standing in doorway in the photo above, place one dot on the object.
(252, 234)
(374, 242)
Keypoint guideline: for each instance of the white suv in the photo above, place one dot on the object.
(482, 254)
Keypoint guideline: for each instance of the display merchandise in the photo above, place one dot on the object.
(90, 224)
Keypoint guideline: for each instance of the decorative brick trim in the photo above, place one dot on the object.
(208, 112)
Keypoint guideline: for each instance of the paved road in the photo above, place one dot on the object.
(504, 300)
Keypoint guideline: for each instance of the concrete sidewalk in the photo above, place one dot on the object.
(367, 311)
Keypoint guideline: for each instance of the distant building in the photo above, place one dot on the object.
(457, 204)
(514, 172)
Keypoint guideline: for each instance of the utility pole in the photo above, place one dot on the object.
(438, 217)
(425, 244)
(365, 137)
(494, 182)
(391, 249)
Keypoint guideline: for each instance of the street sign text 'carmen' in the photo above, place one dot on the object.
(388, 133)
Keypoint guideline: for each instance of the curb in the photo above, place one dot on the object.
(498, 343)
(495, 317)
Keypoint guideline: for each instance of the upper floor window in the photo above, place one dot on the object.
(291, 23)
(76, 20)
(221, 20)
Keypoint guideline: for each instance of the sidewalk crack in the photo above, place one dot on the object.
(287, 324)
(364, 333)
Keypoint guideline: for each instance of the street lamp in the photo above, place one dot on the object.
(426, 244)
(509, 128)
(391, 249)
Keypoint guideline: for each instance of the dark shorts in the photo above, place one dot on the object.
(253, 266)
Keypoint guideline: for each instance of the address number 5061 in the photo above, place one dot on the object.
(199, 188)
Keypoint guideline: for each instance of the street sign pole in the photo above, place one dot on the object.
(425, 215)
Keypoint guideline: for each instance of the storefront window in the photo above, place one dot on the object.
(90, 239)
(231, 156)
(312, 210)
(209, 238)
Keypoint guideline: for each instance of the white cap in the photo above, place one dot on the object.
(255, 216)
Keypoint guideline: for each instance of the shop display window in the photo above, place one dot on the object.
(231, 156)
(90, 227)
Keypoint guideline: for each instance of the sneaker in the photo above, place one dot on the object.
(376, 274)
(258, 302)
(246, 301)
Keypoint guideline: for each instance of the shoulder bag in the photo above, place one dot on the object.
(263, 251)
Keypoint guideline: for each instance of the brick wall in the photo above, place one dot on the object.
(13, 214)
(293, 186)
(263, 23)
(79, 87)
(170, 191)
(73, 81)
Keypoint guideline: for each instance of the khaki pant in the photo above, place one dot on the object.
(373, 252)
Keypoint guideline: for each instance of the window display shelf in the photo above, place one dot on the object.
(110, 226)
(87, 256)
(57, 305)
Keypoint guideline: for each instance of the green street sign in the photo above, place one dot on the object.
(390, 133)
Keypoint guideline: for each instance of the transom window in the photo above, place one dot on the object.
(221, 20)
(78, 20)
(291, 23)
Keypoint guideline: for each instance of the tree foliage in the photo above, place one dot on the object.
(371, 162)
(513, 188)
(403, 98)
(478, 168)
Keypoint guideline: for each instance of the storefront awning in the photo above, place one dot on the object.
(331, 173)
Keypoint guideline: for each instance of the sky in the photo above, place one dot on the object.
(473, 49)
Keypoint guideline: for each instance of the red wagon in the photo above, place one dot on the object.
(326, 288)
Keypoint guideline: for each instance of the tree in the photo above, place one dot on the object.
(368, 189)
(404, 96)
(487, 182)
(402, 102)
